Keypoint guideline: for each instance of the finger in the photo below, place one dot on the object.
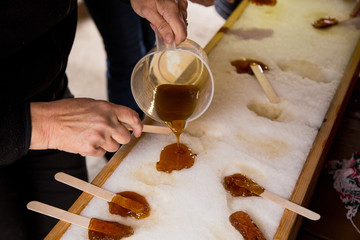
(135, 128)
(112, 145)
(99, 152)
(160, 23)
(176, 21)
(183, 4)
(94, 151)
(168, 20)
(121, 135)
(130, 117)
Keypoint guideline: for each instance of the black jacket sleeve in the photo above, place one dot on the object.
(15, 131)
(35, 41)
(23, 22)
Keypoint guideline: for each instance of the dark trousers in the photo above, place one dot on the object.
(127, 38)
(32, 178)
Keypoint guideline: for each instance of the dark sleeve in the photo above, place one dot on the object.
(15, 130)
(35, 40)
(22, 22)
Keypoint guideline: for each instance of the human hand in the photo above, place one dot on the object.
(168, 16)
(82, 125)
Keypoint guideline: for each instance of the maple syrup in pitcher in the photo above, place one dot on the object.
(174, 104)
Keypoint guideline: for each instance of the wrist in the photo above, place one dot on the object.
(40, 131)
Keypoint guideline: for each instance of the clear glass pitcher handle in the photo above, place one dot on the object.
(160, 44)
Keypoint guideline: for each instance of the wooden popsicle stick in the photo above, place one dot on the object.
(99, 192)
(327, 22)
(59, 214)
(84, 186)
(290, 205)
(264, 83)
(156, 129)
(152, 129)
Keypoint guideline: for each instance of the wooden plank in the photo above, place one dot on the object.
(229, 22)
(290, 222)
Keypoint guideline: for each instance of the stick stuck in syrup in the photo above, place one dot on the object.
(115, 208)
(243, 65)
(106, 229)
(331, 21)
(230, 183)
(108, 196)
(257, 68)
(264, 83)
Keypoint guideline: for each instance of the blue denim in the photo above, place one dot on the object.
(127, 38)
(224, 8)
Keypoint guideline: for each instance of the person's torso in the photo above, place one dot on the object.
(36, 39)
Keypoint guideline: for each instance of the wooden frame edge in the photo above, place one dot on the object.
(290, 222)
